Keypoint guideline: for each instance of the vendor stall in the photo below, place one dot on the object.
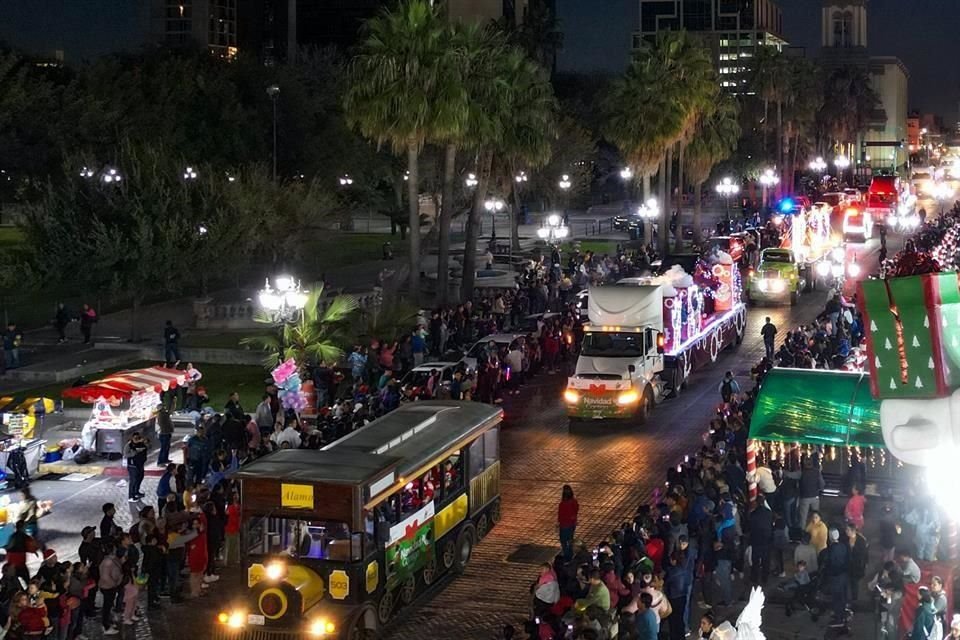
(124, 403)
(21, 449)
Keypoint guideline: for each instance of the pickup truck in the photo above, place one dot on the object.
(778, 277)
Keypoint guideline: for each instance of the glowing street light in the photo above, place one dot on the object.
(471, 180)
(768, 179)
(565, 182)
(189, 173)
(727, 188)
(942, 192)
(284, 300)
(553, 229)
(648, 212)
(87, 172)
(110, 176)
(818, 164)
(345, 180)
(626, 173)
(520, 177)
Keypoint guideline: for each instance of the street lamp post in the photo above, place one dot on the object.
(274, 92)
(494, 206)
(284, 302)
(942, 192)
(842, 163)
(818, 166)
(189, 174)
(565, 185)
(767, 179)
(553, 230)
(626, 174)
(648, 212)
(727, 189)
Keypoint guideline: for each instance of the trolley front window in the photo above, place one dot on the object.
(298, 538)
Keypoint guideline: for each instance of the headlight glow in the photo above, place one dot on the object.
(276, 570)
(235, 619)
(838, 254)
(778, 285)
(628, 397)
(571, 396)
(321, 627)
(853, 270)
(823, 268)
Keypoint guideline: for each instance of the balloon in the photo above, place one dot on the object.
(292, 383)
(284, 371)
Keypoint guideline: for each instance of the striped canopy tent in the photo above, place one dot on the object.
(119, 386)
(815, 407)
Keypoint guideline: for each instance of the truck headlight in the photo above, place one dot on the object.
(628, 397)
(823, 268)
(236, 619)
(853, 270)
(571, 396)
(778, 285)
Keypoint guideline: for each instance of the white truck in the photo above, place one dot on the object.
(643, 340)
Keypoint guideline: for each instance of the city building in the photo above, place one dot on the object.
(482, 11)
(884, 145)
(207, 23)
(733, 29)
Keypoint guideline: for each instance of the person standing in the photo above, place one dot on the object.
(853, 511)
(769, 333)
(567, 513)
(836, 574)
(136, 454)
(60, 321)
(811, 486)
(171, 343)
(729, 387)
(165, 487)
(111, 575)
(164, 434)
(646, 625)
(12, 338)
(88, 318)
(858, 559)
(760, 525)
(233, 410)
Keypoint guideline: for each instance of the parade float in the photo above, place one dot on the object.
(645, 336)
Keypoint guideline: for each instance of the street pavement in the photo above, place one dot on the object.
(612, 468)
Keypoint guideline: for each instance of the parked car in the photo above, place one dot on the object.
(502, 340)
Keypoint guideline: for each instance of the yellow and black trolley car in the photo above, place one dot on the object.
(335, 540)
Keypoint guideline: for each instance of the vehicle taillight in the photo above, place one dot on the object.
(661, 343)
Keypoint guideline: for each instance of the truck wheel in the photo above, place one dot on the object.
(362, 625)
(385, 607)
(794, 296)
(465, 541)
(646, 405)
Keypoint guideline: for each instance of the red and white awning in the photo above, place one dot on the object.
(123, 384)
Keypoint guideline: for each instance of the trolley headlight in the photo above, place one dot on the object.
(571, 396)
(823, 268)
(853, 270)
(236, 619)
(628, 397)
(777, 285)
(276, 570)
(320, 628)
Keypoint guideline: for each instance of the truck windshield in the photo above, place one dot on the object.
(315, 539)
(777, 257)
(613, 345)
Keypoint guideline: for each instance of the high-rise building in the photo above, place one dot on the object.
(884, 145)
(208, 23)
(733, 29)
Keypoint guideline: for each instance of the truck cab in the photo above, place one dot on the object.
(777, 278)
(620, 358)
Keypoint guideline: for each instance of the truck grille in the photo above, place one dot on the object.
(770, 275)
(256, 633)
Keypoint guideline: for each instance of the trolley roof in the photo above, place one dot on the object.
(405, 439)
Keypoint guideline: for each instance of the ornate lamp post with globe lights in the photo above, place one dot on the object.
(494, 206)
(841, 162)
(283, 302)
(768, 179)
(648, 212)
(565, 183)
(553, 230)
(727, 188)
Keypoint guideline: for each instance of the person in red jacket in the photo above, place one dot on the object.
(21, 543)
(197, 556)
(567, 521)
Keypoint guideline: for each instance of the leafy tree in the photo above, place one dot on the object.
(396, 95)
(388, 322)
(714, 140)
(318, 335)
(849, 104)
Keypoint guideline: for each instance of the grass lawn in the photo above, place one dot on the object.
(332, 249)
(599, 247)
(222, 340)
(10, 236)
(219, 379)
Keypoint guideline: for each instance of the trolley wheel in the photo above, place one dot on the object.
(465, 542)
(385, 607)
(363, 625)
(495, 513)
(408, 589)
(483, 526)
(430, 570)
(449, 554)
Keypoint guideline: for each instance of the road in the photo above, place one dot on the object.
(612, 468)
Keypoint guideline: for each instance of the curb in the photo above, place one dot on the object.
(94, 469)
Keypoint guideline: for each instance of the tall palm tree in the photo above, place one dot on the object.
(397, 94)
(769, 78)
(715, 139)
(640, 118)
(317, 336)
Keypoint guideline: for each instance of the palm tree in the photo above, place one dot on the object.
(715, 139)
(388, 322)
(398, 94)
(317, 336)
(640, 118)
(769, 79)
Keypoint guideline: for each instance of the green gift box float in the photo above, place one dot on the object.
(912, 325)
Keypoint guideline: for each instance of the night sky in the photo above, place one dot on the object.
(922, 33)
